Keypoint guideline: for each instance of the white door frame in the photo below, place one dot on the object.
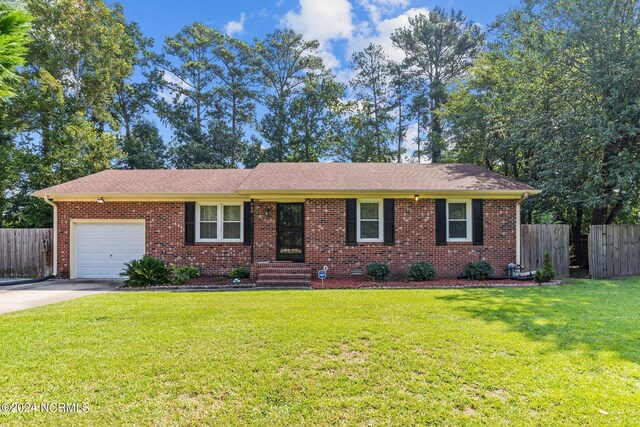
(72, 236)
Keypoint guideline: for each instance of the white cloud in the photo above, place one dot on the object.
(378, 8)
(329, 21)
(168, 94)
(323, 20)
(378, 31)
(235, 27)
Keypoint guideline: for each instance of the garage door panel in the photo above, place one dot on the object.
(102, 249)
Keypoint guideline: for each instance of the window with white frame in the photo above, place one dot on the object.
(369, 221)
(219, 222)
(458, 220)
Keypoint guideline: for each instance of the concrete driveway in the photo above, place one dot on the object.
(21, 297)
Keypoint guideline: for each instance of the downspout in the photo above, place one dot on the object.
(252, 225)
(518, 203)
(49, 201)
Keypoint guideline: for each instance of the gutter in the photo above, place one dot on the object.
(49, 201)
(525, 196)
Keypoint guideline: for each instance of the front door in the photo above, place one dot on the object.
(290, 232)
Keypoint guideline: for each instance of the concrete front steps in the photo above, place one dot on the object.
(283, 275)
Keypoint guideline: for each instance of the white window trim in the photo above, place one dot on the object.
(380, 220)
(220, 224)
(469, 220)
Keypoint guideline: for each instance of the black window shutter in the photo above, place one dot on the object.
(389, 222)
(248, 223)
(478, 221)
(441, 222)
(189, 223)
(352, 221)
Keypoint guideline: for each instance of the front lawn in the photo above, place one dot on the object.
(564, 355)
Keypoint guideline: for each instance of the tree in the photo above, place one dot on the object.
(144, 147)
(234, 104)
(419, 111)
(440, 48)
(61, 117)
(208, 97)
(138, 138)
(554, 103)
(284, 60)
(355, 137)
(371, 85)
(401, 89)
(14, 38)
(314, 118)
(184, 72)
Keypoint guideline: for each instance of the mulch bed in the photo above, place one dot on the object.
(363, 282)
(202, 282)
(219, 282)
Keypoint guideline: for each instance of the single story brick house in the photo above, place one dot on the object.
(340, 215)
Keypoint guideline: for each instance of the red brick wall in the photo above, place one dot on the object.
(415, 239)
(164, 235)
(264, 231)
(324, 237)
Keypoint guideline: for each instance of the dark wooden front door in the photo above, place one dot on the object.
(290, 232)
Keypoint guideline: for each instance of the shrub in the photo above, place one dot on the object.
(421, 271)
(182, 275)
(378, 271)
(147, 271)
(480, 270)
(239, 273)
(188, 270)
(546, 273)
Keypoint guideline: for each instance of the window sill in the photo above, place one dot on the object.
(218, 242)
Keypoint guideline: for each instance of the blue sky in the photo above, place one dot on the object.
(342, 26)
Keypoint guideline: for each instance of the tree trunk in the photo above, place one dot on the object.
(576, 233)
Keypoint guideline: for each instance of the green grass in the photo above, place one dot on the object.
(564, 355)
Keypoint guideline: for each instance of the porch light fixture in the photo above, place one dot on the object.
(100, 200)
(416, 197)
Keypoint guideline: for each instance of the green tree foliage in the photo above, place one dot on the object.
(371, 85)
(315, 118)
(402, 88)
(138, 138)
(144, 147)
(61, 117)
(235, 100)
(14, 38)
(284, 61)
(555, 102)
(184, 72)
(207, 82)
(439, 47)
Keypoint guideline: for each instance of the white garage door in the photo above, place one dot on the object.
(101, 249)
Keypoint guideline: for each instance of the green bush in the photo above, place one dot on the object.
(480, 270)
(239, 273)
(546, 273)
(378, 271)
(147, 271)
(182, 275)
(188, 270)
(150, 271)
(421, 271)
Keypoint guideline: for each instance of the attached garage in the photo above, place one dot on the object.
(99, 250)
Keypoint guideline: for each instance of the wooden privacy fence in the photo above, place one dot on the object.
(26, 252)
(614, 250)
(536, 239)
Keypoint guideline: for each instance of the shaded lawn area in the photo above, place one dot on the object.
(564, 355)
